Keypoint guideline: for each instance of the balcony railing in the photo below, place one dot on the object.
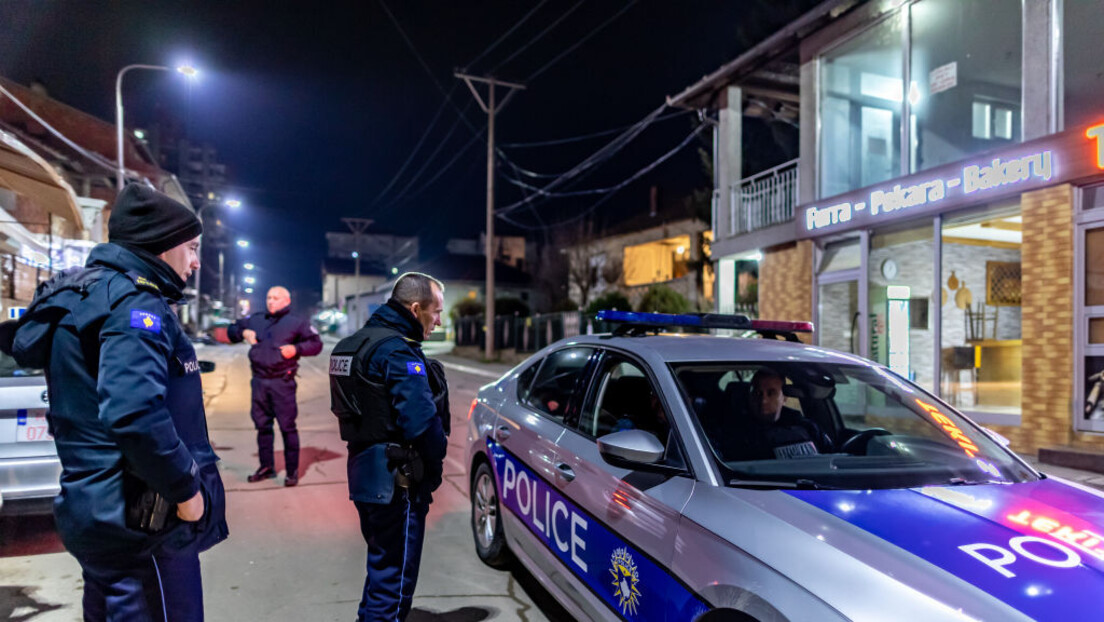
(764, 199)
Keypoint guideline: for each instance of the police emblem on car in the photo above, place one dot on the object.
(640, 475)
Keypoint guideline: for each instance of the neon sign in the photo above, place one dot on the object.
(973, 178)
(1083, 540)
(1096, 132)
(952, 430)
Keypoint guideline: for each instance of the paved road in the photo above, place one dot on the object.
(294, 554)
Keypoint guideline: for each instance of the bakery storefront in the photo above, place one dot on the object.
(982, 280)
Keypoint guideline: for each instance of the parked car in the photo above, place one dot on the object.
(29, 466)
(616, 469)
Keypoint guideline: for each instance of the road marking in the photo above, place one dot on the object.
(475, 371)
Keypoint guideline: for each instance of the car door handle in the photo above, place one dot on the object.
(565, 471)
(501, 433)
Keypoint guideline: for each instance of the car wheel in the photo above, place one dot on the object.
(490, 543)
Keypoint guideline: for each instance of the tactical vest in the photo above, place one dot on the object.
(362, 405)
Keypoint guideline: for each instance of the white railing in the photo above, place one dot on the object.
(764, 199)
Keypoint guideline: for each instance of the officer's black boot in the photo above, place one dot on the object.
(260, 474)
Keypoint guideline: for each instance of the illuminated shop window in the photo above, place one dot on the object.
(979, 297)
(656, 262)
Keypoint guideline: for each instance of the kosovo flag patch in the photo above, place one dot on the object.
(147, 321)
(415, 368)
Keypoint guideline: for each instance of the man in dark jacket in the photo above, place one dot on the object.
(774, 431)
(381, 392)
(278, 339)
(126, 412)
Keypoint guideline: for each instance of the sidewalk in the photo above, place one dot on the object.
(1087, 478)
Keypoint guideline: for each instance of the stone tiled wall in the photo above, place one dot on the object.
(786, 283)
(1048, 357)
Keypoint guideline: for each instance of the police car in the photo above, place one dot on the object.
(615, 468)
(29, 465)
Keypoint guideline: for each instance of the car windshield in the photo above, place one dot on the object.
(818, 425)
(9, 368)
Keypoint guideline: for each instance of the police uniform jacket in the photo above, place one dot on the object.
(126, 403)
(407, 410)
(275, 330)
(791, 436)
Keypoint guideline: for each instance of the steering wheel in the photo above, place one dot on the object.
(858, 442)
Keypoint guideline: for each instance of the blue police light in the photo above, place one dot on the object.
(702, 320)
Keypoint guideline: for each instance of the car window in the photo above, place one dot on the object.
(626, 399)
(9, 368)
(557, 380)
(525, 380)
(849, 426)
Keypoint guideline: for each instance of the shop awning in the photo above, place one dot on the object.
(22, 171)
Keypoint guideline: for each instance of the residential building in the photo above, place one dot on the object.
(945, 214)
(642, 253)
(56, 191)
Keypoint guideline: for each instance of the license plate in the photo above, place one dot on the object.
(31, 428)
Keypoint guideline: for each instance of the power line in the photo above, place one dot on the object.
(582, 137)
(508, 32)
(598, 157)
(612, 190)
(539, 36)
(440, 145)
(581, 41)
(413, 152)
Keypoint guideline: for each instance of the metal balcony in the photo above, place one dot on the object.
(764, 199)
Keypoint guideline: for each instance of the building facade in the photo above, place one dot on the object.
(945, 215)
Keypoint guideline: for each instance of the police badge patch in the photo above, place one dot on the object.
(415, 368)
(145, 320)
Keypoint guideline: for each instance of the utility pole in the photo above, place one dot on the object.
(357, 226)
(490, 108)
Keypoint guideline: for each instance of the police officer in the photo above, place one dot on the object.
(775, 431)
(278, 338)
(382, 391)
(141, 494)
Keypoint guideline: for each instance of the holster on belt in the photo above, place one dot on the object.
(145, 509)
(406, 464)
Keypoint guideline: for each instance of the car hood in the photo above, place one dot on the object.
(1036, 546)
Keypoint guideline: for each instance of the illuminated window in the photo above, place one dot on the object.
(655, 262)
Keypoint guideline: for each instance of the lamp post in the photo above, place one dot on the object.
(185, 69)
(232, 203)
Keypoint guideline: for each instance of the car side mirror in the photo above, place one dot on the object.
(997, 436)
(206, 367)
(630, 448)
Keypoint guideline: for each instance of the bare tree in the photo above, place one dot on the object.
(582, 273)
(613, 271)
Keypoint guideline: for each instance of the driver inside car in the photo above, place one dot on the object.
(771, 430)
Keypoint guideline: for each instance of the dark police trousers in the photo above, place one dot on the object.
(274, 398)
(142, 588)
(394, 533)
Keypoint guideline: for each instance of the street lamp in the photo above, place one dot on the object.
(248, 266)
(184, 69)
(234, 204)
(242, 243)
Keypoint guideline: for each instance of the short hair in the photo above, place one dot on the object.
(415, 287)
(765, 373)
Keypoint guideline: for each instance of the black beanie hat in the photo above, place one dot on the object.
(147, 219)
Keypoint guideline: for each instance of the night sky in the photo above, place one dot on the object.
(316, 106)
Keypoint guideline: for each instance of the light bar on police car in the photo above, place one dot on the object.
(702, 320)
